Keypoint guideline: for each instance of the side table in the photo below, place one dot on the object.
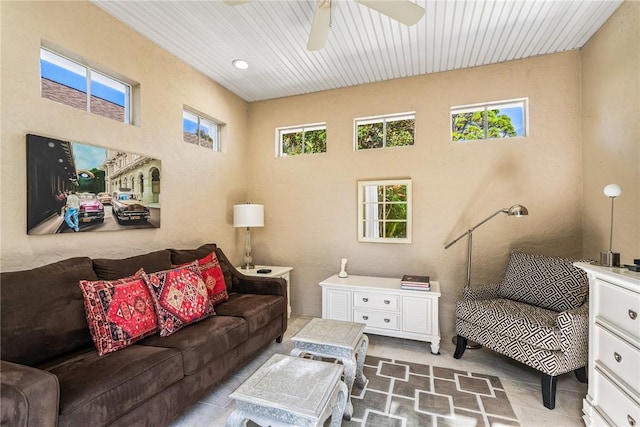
(276, 271)
(289, 391)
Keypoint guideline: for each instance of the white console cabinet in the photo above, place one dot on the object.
(614, 347)
(384, 307)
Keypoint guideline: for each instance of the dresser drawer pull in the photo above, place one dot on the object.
(631, 421)
(633, 314)
(365, 317)
(387, 320)
(387, 301)
(365, 299)
(617, 356)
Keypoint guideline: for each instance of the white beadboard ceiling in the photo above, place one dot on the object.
(363, 45)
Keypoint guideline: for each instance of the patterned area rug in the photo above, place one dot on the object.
(403, 394)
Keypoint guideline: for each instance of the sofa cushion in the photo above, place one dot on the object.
(179, 297)
(213, 278)
(183, 256)
(257, 310)
(544, 281)
(204, 341)
(119, 312)
(112, 269)
(518, 321)
(42, 311)
(98, 389)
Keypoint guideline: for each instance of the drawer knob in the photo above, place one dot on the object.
(387, 320)
(617, 356)
(633, 314)
(631, 421)
(365, 299)
(387, 301)
(365, 317)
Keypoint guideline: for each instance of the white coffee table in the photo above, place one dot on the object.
(290, 391)
(340, 340)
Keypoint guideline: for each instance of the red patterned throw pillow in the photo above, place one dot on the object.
(119, 312)
(179, 296)
(213, 277)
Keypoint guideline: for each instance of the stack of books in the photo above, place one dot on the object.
(415, 283)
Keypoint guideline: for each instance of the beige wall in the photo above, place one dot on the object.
(310, 200)
(611, 134)
(198, 187)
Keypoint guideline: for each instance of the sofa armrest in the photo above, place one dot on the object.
(481, 292)
(28, 396)
(574, 332)
(259, 285)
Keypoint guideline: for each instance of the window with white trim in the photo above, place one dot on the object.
(77, 85)
(501, 119)
(393, 130)
(302, 139)
(202, 131)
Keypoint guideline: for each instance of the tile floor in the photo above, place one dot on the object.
(521, 383)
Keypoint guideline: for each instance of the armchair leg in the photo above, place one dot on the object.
(581, 374)
(461, 346)
(549, 390)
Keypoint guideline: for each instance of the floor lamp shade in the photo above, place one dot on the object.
(248, 215)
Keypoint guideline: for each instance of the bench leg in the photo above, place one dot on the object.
(461, 346)
(549, 390)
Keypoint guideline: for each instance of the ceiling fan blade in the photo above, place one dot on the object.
(404, 11)
(320, 26)
(235, 2)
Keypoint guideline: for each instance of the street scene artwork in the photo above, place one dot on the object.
(74, 187)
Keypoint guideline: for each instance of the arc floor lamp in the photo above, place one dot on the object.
(516, 211)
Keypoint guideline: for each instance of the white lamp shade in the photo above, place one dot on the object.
(248, 215)
(612, 190)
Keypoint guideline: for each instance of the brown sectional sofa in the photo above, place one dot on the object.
(51, 373)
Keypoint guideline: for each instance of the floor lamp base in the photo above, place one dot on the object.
(471, 345)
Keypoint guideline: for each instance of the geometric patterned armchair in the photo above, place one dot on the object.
(538, 315)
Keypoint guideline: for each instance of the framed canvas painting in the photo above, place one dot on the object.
(75, 187)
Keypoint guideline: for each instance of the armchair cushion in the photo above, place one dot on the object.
(544, 281)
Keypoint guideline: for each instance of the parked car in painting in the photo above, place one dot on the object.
(105, 198)
(128, 208)
(91, 210)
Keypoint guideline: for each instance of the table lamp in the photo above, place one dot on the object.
(248, 215)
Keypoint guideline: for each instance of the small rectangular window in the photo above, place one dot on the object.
(201, 131)
(502, 119)
(77, 85)
(394, 130)
(304, 139)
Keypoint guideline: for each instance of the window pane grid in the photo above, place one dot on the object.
(502, 119)
(385, 131)
(200, 131)
(308, 139)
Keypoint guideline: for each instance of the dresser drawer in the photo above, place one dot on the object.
(615, 403)
(376, 301)
(377, 319)
(619, 307)
(618, 356)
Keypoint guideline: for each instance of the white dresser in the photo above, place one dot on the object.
(384, 307)
(614, 347)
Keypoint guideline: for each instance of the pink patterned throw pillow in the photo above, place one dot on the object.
(119, 312)
(179, 296)
(213, 277)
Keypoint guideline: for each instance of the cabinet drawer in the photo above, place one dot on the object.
(619, 306)
(618, 356)
(615, 403)
(376, 301)
(377, 319)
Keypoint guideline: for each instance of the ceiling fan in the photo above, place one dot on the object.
(403, 11)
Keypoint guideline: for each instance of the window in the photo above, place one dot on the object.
(304, 139)
(201, 131)
(74, 84)
(385, 131)
(384, 211)
(503, 119)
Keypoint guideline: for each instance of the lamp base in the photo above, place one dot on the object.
(247, 266)
(471, 345)
(610, 259)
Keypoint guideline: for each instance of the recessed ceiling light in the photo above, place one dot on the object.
(240, 64)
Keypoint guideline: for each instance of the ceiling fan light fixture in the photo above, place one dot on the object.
(240, 64)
